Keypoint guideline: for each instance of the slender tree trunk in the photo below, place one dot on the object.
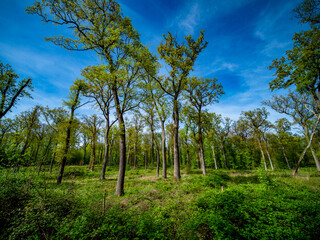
(53, 157)
(176, 162)
(145, 159)
(262, 155)
(135, 156)
(128, 155)
(214, 157)
(285, 155)
(201, 151)
(188, 157)
(111, 148)
(37, 152)
(269, 157)
(315, 158)
(44, 155)
(93, 153)
(67, 143)
(295, 173)
(84, 154)
(158, 156)
(163, 148)
(106, 154)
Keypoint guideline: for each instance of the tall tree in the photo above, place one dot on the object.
(282, 127)
(257, 120)
(100, 26)
(201, 93)
(300, 66)
(73, 103)
(93, 123)
(11, 88)
(180, 57)
(296, 106)
(98, 89)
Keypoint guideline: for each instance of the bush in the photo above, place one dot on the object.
(252, 213)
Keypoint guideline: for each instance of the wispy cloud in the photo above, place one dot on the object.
(191, 19)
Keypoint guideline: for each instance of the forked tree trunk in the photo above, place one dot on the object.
(269, 157)
(295, 173)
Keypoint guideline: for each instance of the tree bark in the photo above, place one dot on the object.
(269, 157)
(285, 155)
(262, 155)
(158, 156)
(176, 162)
(67, 143)
(106, 154)
(163, 148)
(214, 157)
(201, 152)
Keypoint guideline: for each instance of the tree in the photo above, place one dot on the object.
(202, 92)
(257, 120)
(11, 88)
(73, 103)
(100, 26)
(181, 58)
(98, 89)
(93, 123)
(308, 11)
(282, 127)
(300, 66)
(295, 105)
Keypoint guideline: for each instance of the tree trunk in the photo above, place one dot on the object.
(163, 148)
(158, 156)
(316, 160)
(176, 162)
(67, 143)
(53, 157)
(295, 173)
(262, 155)
(285, 155)
(269, 157)
(110, 157)
(93, 153)
(214, 157)
(201, 152)
(106, 153)
(122, 143)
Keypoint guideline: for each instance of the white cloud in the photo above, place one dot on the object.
(191, 20)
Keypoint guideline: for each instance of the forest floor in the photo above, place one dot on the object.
(225, 204)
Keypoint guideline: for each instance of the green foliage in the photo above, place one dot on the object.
(253, 205)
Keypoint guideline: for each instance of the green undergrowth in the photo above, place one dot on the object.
(224, 204)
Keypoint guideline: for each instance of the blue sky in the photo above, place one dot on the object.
(244, 36)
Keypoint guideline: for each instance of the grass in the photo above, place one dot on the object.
(226, 204)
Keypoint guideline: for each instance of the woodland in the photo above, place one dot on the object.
(155, 163)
